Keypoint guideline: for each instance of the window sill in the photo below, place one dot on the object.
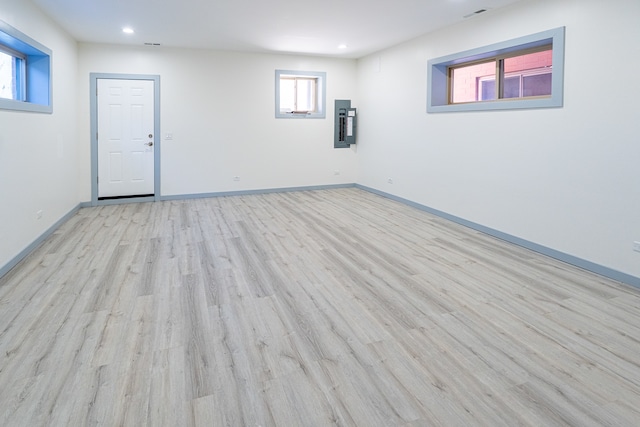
(10, 104)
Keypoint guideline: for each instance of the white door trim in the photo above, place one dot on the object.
(94, 77)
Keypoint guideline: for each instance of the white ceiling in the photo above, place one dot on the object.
(314, 27)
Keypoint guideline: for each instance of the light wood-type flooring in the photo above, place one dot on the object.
(313, 308)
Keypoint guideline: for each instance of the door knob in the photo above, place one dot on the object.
(149, 143)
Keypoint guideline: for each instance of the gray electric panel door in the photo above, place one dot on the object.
(345, 124)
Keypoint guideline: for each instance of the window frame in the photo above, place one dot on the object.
(321, 79)
(36, 84)
(438, 83)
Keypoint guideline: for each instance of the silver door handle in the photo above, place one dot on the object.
(149, 143)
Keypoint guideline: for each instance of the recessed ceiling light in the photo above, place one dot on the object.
(342, 46)
(127, 30)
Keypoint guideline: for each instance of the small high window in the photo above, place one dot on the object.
(527, 72)
(300, 94)
(25, 72)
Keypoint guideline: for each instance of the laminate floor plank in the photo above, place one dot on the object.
(313, 308)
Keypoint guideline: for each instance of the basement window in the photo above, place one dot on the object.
(518, 75)
(25, 72)
(521, 73)
(300, 94)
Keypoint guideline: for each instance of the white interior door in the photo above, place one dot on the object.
(126, 139)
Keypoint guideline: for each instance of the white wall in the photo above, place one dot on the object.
(220, 108)
(563, 178)
(38, 157)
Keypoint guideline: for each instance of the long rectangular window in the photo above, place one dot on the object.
(527, 72)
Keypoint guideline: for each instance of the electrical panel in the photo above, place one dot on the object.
(346, 124)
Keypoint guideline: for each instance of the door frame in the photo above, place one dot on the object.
(93, 81)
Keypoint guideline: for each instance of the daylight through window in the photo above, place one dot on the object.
(300, 94)
(11, 74)
(25, 72)
(519, 75)
(527, 72)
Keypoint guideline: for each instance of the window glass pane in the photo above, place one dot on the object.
(300, 92)
(465, 82)
(537, 85)
(287, 94)
(512, 87)
(535, 68)
(306, 94)
(530, 61)
(8, 87)
(488, 90)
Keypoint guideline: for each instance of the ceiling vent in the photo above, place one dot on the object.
(477, 12)
(152, 44)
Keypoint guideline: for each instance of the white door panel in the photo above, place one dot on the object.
(125, 137)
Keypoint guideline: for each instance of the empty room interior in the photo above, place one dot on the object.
(364, 213)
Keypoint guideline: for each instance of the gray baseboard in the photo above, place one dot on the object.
(552, 253)
(569, 259)
(37, 242)
(252, 192)
(34, 245)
